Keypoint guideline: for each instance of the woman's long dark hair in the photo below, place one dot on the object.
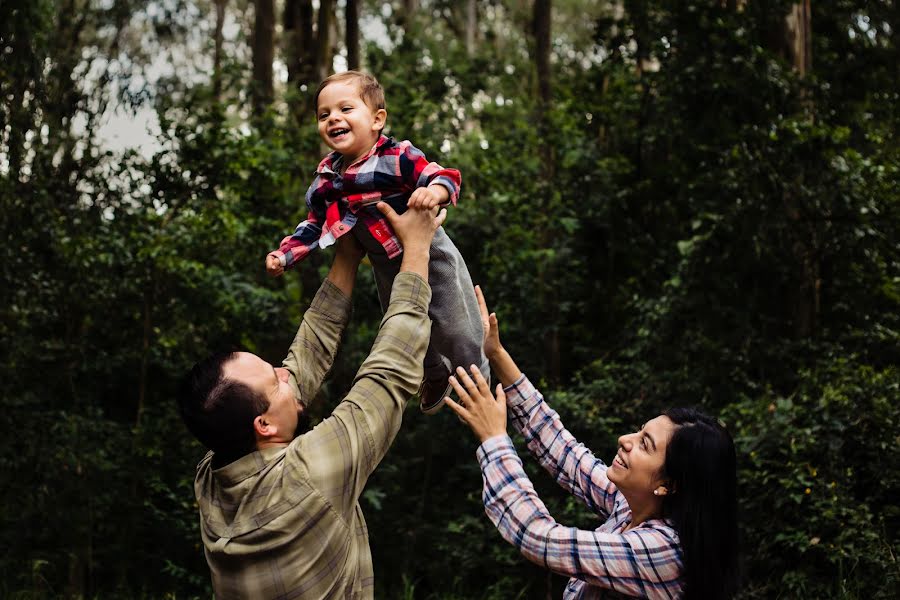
(702, 503)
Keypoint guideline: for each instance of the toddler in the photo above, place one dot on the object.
(366, 167)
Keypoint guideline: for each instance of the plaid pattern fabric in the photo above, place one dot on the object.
(336, 202)
(286, 522)
(645, 562)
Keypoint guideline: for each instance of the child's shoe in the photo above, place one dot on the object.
(432, 394)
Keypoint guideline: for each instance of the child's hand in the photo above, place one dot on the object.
(426, 197)
(273, 266)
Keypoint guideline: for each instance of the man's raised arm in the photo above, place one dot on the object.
(314, 347)
(360, 430)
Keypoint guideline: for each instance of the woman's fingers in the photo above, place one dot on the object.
(460, 411)
(480, 381)
(482, 306)
(460, 391)
(501, 395)
(471, 387)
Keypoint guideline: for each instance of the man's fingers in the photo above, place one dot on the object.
(386, 210)
(439, 219)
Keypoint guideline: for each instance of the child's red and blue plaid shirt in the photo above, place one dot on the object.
(389, 172)
(645, 562)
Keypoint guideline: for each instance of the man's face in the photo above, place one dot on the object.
(346, 123)
(284, 409)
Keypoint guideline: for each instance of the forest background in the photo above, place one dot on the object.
(667, 202)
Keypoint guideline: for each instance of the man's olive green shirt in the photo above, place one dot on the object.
(286, 522)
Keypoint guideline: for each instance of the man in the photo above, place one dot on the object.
(280, 515)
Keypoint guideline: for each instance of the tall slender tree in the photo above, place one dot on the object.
(263, 55)
(541, 31)
(325, 23)
(471, 26)
(299, 47)
(352, 34)
(217, 57)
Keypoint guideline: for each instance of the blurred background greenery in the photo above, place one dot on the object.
(667, 202)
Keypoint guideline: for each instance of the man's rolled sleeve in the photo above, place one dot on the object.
(316, 344)
(343, 450)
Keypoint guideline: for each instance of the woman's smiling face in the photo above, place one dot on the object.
(637, 467)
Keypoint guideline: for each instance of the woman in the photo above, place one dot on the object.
(667, 500)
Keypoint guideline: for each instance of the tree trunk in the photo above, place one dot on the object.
(798, 37)
(471, 26)
(548, 298)
(299, 42)
(352, 34)
(541, 29)
(263, 55)
(324, 24)
(217, 58)
(805, 294)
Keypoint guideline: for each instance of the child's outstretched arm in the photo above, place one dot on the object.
(430, 183)
(295, 247)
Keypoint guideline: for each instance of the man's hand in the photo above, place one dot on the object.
(428, 197)
(273, 266)
(415, 228)
(477, 407)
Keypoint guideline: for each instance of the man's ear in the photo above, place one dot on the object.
(380, 119)
(263, 428)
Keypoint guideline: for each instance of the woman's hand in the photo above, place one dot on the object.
(501, 362)
(477, 407)
(492, 346)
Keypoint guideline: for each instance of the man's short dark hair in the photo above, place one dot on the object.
(219, 411)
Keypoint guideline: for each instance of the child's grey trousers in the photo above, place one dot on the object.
(456, 331)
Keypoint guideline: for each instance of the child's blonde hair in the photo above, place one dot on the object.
(370, 90)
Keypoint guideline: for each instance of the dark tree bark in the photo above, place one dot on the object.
(541, 30)
(352, 34)
(798, 37)
(217, 58)
(471, 26)
(804, 298)
(299, 42)
(324, 26)
(263, 55)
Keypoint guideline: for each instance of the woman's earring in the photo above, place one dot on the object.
(656, 492)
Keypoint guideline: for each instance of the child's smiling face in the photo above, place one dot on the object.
(346, 123)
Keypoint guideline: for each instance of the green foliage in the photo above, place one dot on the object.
(689, 222)
(819, 471)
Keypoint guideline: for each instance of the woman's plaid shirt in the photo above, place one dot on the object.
(336, 202)
(604, 563)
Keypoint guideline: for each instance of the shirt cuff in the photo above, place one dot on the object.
(519, 391)
(331, 302)
(412, 288)
(493, 448)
